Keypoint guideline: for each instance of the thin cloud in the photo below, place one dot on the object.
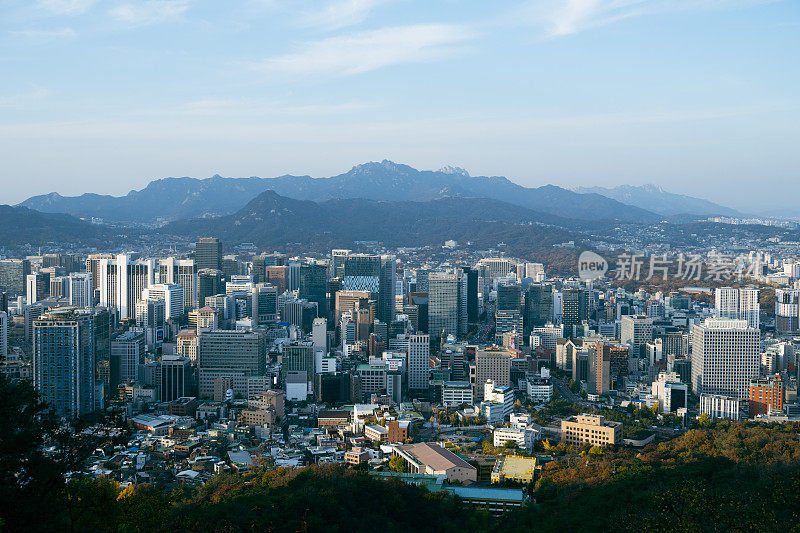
(371, 50)
(560, 18)
(261, 107)
(150, 12)
(340, 14)
(45, 35)
(21, 100)
(66, 7)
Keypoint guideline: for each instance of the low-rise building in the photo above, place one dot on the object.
(514, 468)
(429, 458)
(591, 429)
(455, 393)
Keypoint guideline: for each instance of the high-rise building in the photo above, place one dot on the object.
(81, 293)
(209, 283)
(208, 253)
(386, 288)
(599, 368)
(171, 293)
(174, 378)
(738, 304)
(494, 364)
(3, 335)
(338, 258)
(509, 297)
(277, 276)
(471, 276)
(127, 353)
(298, 356)
(37, 286)
(443, 304)
(314, 285)
(574, 309)
(229, 353)
(726, 355)
(636, 330)
(538, 308)
(419, 347)
(508, 321)
(13, 273)
(180, 272)
(121, 281)
(787, 310)
(64, 361)
(151, 317)
(766, 395)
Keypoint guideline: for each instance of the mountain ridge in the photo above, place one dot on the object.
(654, 198)
(168, 199)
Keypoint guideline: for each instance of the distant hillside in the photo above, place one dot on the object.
(20, 225)
(656, 199)
(177, 198)
(272, 220)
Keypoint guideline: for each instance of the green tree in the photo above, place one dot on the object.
(397, 464)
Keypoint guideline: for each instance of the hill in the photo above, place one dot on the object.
(272, 220)
(20, 225)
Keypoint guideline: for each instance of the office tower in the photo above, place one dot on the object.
(314, 286)
(209, 283)
(319, 334)
(121, 282)
(127, 353)
(725, 357)
(420, 301)
(104, 325)
(222, 352)
(471, 276)
(348, 301)
(362, 273)
(208, 319)
(498, 266)
(208, 253)
(186, 344)
(151, 317)
(494, 364)
(443, 300)
(574, 309)
(3, 335)
(293, 276)
(180, 272)
(738, 304)
(81, 293)
(265, 304)
(508, 322)
(231, 266)
(37, 286)
(298, 357)
(509, 297)
(276, 275)
(13, 273)
(64, 361)
(174, 378)
(599, 381)
(386, 288)
(618, 357)
(636, 331)
(422, 280)
(172, 295)
(538, 307)
(301, 313)
(93, 268)
(338, 258)
(787, 310)
(765, 395)
(59, 287)
(419, 347)
(258, 268)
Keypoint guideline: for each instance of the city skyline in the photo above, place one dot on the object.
(699, 97)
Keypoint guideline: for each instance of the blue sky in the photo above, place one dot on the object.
(699, 96)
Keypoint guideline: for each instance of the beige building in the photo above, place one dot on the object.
(186, 345)
(494, 364)
(591, 429)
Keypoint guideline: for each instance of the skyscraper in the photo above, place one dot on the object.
(209, 283)
(419, 362)
(314, 286)
(121, 282)
(472, 294)
(538, 309)
(386, 288)
(509, 297)
(64, 361)
(443, 300)
(738, 304)
(574, 309)
(208, 253)
(3, 335)
(81, 293)
(13, 273)
(181, 272)
(787, 310)
(725, 357)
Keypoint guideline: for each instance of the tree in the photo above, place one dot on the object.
(398, 464)
(704, 420)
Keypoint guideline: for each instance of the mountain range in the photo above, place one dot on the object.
(656, 199)
(177, 198)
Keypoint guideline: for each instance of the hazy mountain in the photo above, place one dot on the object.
(176, 198)
(654, 198)
(20, 225)
(272, 220)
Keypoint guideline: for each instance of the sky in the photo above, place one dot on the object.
(699, 96)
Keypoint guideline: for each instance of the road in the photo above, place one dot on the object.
(564, 391)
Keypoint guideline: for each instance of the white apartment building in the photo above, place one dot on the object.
(726, 355)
